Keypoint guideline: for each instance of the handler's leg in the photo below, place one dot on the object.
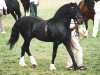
(69, 61)
(32, 12)
(76, 45)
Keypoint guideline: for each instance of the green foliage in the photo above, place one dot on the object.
(42, 51)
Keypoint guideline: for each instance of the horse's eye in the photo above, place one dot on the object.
(72, 7)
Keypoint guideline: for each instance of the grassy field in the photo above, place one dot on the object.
(42, 51)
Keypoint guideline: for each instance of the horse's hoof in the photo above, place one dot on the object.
(23, 65)
(70, 68)
(34, 65)
(52, 67)
(82, 68)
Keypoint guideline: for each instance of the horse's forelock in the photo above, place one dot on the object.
(73, 4)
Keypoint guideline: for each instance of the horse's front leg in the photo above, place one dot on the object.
(55, 46)
(86, 25)
(68, 46)
(25, 48)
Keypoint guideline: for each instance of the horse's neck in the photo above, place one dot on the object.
(65, 21)
(62, 13)
(59, 17)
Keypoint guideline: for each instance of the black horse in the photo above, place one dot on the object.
(54, 30)
(26, 5)
(13, 8)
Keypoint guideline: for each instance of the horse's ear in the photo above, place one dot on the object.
(71, 3)
(75, 3)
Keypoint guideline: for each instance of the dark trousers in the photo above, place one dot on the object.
(33, 9)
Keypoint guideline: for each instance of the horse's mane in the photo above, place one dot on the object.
(61, 13)
(89, 3)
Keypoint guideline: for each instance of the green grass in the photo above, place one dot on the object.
(42, 51)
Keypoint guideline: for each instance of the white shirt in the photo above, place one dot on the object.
(72, 24)
(3, 4)
(97, 7)
(35, 1)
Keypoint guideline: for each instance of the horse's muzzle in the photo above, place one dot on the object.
(79, 22)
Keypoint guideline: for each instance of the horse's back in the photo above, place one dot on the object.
(28, 23)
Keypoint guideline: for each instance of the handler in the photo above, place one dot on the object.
(33, 7)
(75, 45)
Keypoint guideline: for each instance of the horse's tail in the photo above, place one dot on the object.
(14, 34)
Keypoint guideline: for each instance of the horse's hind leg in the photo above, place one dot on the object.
(32, 59)
(22, 62)
(13, 14)
(55, 46)
(68, 46)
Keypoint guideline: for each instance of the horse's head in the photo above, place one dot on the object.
(68, 11)
(75, 13)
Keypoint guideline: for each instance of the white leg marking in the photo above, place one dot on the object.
(52, 67)
(33, 61)
(22, 62)
(27, 13)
